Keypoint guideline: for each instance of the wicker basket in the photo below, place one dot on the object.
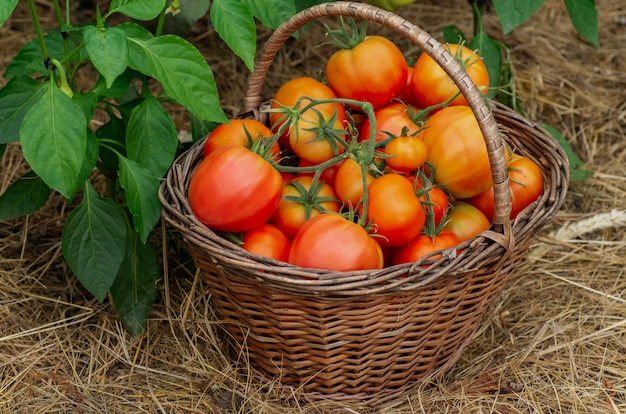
(368, 336)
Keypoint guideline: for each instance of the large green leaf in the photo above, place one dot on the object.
(6, 8)
(271, 13)
(29, 59)
(491, 54)
(584, 16)
(234, 23)
(94, 242)
(512, 13)
(183, 72)
(108, 51)
(137, 9)
(24, 196)
(141, 186)
(16, 99)
(151, 138)
(134, 290)
(54, 140)
(578, 171)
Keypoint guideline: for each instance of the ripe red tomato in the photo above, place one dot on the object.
(525, 184)
(406, 153)
(393, 119)
(236, 132)
(394, 210)
(300, 202)
(349, 185)
(291, 91)
(457, 151)
(431, 85)
(423, 245)
(332, 242)
(268, 241)
(374, 71)
(317, 136)
(234, 189)
(466, 221)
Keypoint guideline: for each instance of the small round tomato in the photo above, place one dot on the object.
(431, 85)
(373, 71)
(423, 245)
(234, 189)
(436, 202)
(332, 242)
(242, 132)
(457, 151)
(349, 185)
(466, 221)
(525, 184)
(392, 120)
(301, 201)
(405, 153)
(268, 241)
(317, 136)
(395, 212)
(303, 89)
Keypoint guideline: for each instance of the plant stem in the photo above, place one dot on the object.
(42, 43)
(161, 22)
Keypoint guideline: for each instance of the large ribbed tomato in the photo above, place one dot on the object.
(374, 71)
(332, 242)
(234, 189)
(431, 85)
(457, 151)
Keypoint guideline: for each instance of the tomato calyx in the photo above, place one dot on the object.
(310, 198)
(342, 39)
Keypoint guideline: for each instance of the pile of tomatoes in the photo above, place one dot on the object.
(380, 164)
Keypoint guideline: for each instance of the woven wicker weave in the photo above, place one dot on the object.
(368, 336)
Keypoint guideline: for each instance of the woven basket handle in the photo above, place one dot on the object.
(476, 100)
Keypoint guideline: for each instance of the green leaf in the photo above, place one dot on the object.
(577, 169)
(271, 13)
(108, 51)
(3, 148)
(200, 128)
(94, 242)
(114, 130)
(584, 16)
(141, 187)
(305, 4)
(512, 13)
(137, 9)
(190, 11)
(87, 102)
(183, 72)
(24, 196)
(6, 8)
(135, 31)
(489, 50)
(54, 140)
(151, 138)
(89, 162)
(134, 290)
(118, 89)
(234, 23)
(29, 59)
(453, 34)
(16, 99)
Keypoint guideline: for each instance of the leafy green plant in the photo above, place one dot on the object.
(106, 239)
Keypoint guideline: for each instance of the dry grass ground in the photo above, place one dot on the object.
(554, 342)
